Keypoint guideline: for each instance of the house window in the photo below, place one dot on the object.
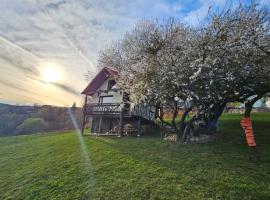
(111, 83)
(106, 99)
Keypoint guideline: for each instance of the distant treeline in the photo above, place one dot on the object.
(16, 120)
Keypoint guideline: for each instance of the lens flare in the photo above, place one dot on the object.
(88, 166)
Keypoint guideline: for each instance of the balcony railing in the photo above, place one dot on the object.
(103, 109)
(111, 109)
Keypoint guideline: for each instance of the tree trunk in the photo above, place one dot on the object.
(212, 122)
(249, 104)
(248, 108)
(182, 121)
(187, 130)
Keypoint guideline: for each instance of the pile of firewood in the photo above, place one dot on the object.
(195, 139)
(172, 138)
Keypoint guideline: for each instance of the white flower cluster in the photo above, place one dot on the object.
(223, 61)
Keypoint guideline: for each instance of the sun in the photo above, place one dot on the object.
(50, 74)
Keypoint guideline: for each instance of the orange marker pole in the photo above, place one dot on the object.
(247, 126)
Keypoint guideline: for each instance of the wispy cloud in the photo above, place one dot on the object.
(66, 88)
(67, 33)
(70, 34)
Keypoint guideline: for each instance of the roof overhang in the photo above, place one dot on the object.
(99, 79)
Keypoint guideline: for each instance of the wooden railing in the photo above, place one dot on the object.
(103, 109)
(145, 112)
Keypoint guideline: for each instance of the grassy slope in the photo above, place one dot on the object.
(52, 166)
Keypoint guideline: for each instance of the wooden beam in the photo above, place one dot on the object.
(120, 129)
(161, 131)
(99, 124)
(139, 127)
(84, 114)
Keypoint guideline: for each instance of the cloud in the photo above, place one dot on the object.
(70, 34)
(66, 88)
(67, 33)
(56, 5)
(11, 85)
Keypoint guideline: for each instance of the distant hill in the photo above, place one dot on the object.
(26, 109)
(25, 119)
(18, 109)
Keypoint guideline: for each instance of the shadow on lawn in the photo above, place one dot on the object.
(218, 166)
(229, 147)
(209, 166)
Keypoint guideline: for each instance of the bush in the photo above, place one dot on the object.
(32, 125)
(9, 122)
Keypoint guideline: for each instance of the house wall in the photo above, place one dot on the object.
(267, 102)
(261, 103)
(117, 95)
(107, 123)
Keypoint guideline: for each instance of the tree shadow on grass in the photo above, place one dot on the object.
(220, 165)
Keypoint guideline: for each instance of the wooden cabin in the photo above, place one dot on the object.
(108, 111)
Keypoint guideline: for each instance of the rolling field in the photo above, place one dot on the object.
(66, 166)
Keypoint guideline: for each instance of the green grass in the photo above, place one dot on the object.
(53, 166)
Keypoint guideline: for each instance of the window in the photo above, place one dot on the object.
(106, 99)
(111, 83)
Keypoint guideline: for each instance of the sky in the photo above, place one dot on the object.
(47, 46)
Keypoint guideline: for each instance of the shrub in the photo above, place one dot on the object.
(8, 123)
(32, 125)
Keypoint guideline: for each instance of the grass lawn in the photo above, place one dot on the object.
(60, 166)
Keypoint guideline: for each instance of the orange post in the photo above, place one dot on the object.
(247, 126)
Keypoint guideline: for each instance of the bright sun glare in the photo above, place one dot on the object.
(50, 74)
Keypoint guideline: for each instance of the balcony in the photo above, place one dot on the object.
(114, 110)
(105, 109)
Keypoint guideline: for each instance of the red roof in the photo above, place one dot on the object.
(99, 79)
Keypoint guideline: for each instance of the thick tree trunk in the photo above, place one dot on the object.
(212, 122)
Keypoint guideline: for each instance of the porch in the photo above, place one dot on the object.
(117, 118)
(111, 119)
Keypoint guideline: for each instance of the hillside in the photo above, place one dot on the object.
(21, 120)
(59, 166)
